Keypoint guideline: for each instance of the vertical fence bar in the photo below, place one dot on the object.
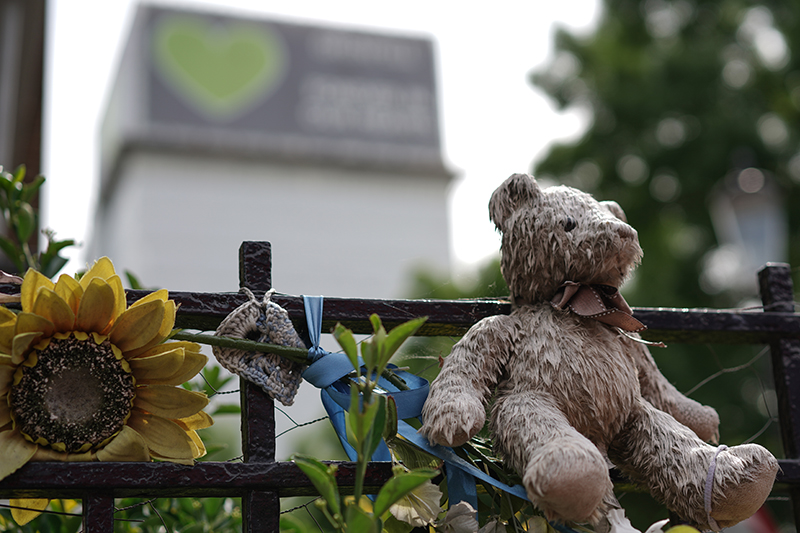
(98, 514)
(260, 509)
(777, 295)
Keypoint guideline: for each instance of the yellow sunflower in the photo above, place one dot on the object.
(83, 377)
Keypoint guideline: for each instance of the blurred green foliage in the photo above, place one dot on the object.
(21, 220)
(682, 96)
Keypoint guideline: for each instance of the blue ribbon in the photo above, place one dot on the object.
(326, 372)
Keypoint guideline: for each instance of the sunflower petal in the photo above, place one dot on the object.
(157, 366)
(120, 300)
(26, 509)
(16, 451)
(5, 412)
(22, 342)
(103, 268)
(192, 363)
(70, 291)
(163, 437)
(199, 420)
(127, 446)
(96, 309)
(137, 326)
(8, 321)
(187, 461)
(30, 322)
(45, 453)
(169, 346)
(30, 288)
(168, 401)
(167, 323)
(199, 449)
(6, 376)
(161, 294)
(7, 316)
(50, 305)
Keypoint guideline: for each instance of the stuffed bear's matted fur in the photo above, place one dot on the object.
(571, 392)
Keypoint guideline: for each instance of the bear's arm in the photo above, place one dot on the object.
(456, 406)
(701, 419)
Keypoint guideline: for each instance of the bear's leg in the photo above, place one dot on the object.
(656, 451)
(564, 473)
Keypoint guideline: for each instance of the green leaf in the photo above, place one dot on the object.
(291, 524)
(25, 222)
(50, 262)
(400, 334)
(369, 354)
(133, 281)
(5, 180)
(348, 343)
(359, 521)
(53, 246)
(413, 457)
(390, 427)
(323, 479)
(53, 266)
(376, 425)
(400, 485)
(393, 525)
(19, 174)
(30, 189)
(15, 193)
(379, 341)
(354, 416)
(13, 252)
(375, 320)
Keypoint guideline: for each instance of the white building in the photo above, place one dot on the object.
(321, 141)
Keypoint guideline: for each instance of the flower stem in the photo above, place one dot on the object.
(297, 355)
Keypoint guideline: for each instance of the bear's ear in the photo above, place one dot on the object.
(615, 209)
(515, 192)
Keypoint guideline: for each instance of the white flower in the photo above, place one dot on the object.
(419, 507)
(460, 518)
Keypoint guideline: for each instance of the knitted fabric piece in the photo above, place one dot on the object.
(279, 377)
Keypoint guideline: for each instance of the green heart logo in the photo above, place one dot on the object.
(220, 70)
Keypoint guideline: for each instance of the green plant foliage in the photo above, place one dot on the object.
(21, 219)
(134, 515)
(178, 515)
(62, 516)
(370, 418)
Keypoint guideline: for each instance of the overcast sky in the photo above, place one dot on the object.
(494, 123)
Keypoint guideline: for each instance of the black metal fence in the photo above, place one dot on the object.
(260, 481)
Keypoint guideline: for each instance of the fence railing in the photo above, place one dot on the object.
(260, 481)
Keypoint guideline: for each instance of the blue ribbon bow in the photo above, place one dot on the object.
(326, 372)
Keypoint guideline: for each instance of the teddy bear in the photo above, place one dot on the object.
(573, 388)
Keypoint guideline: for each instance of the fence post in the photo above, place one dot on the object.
(777, 295)
(260, 509)
(98, 514)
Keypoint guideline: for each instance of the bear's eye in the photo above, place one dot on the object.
(570, 224)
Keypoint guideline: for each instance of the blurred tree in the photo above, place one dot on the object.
(683, 97)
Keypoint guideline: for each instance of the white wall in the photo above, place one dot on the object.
(177, 221)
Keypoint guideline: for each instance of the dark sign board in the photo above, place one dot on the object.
(239, 85)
